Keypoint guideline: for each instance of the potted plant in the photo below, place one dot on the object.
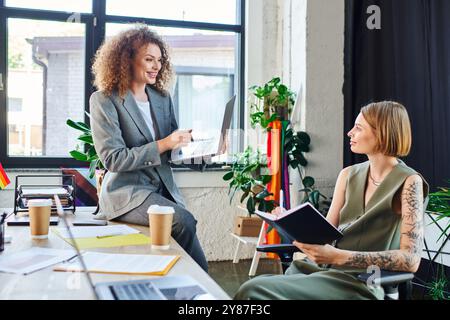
(249, 172)
(273, 101)
(85, 151)
(439, 206)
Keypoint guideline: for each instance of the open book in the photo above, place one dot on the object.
(303, 223)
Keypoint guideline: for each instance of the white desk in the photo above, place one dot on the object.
(49, 284)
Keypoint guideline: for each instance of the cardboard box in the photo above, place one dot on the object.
(247, 226)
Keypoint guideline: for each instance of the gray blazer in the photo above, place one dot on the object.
(129, 152)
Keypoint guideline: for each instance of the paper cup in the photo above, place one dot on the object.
(39, 213)
(160, 219)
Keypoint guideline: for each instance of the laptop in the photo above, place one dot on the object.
(209, 147)
(166, 288)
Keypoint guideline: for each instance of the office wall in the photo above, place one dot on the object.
(323, 116)
(313, 66)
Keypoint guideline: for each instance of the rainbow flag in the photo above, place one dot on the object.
(274, 186)
(279, 170)
(4, 181)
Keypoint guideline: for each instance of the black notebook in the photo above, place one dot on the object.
(303, 223)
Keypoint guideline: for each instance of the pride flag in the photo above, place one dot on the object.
(4, 181)
(278, 166)
(274, 186)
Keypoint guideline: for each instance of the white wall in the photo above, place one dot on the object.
(324, 108)
(303, 42)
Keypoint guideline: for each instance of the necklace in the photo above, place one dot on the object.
(376, 183)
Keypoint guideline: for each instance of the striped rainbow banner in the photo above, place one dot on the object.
(4, 181)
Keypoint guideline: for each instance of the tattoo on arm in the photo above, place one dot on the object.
(409, 255)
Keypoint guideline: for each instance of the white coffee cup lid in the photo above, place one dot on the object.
(39, 203)
(160, 209)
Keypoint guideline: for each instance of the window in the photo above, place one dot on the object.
(49, 49)
(47, 74)
(66, 5)
(215, 11)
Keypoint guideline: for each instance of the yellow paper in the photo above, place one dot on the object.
(136, 239)
(98, 262)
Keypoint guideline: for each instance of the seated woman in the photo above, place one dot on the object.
(134, 129)
(377, 205)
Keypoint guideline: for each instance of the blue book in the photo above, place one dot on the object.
(303, 223)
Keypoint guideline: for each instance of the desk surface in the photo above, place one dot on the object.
(49, 284)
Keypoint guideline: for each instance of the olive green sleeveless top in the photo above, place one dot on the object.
(375, 227)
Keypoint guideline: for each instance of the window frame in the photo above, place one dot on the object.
(95, 24)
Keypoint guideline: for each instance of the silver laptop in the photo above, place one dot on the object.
(210, 147)
(165, 288)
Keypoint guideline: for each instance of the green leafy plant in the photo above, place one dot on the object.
(247, 173)
(274, 100)
(296, 144)
(437, 288)
(439, 204)
(85, 151)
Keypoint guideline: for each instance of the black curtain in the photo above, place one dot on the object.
(407, 60)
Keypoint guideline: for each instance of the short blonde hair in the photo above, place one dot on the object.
(392, 128)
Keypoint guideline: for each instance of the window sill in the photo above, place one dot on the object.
(184, 177)
(213, 168)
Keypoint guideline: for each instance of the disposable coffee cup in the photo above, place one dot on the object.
(160, 219)
(39, 213)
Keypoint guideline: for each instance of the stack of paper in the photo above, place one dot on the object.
(27, 192)
(103, 237)
(33, 259)
(139, 264)
(99, 232)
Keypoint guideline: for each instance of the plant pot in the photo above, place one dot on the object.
(247, 226)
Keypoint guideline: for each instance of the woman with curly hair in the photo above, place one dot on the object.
(134, 130)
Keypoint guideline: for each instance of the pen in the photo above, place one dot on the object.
(71, 259)
(109, 235)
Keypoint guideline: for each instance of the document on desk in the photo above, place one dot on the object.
(30, 260)
(133, 239)
(102, 231)
(138, 264)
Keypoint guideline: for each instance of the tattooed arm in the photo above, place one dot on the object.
(408, 257)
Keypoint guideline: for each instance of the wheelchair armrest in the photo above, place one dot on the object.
(285, 248)
(387, 278)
